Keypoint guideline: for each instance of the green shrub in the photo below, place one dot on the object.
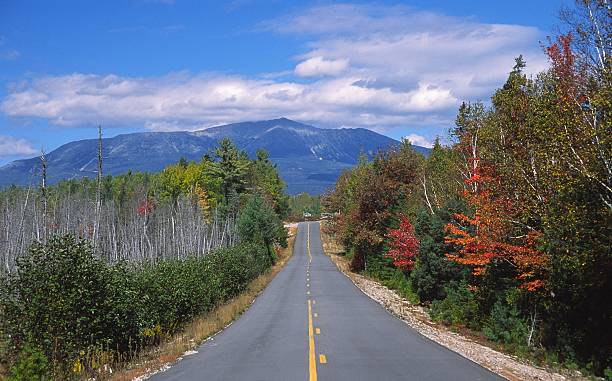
(59, 299)
(401, 283)
(506, 325)
(31, 365)
(382, 269)
(379, 267)
(458, 308)
(259, 224)
(68, 303)
(432, 270)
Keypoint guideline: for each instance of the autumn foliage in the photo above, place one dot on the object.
(404, 245)
(146, 207)
(488, 234)
(508, 229)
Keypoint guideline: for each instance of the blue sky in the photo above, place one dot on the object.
(399, 68)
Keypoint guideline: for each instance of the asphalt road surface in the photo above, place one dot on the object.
(312, 323)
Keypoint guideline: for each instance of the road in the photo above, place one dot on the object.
(312, 323)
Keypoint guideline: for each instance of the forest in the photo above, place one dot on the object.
(95, 270)
(506, 231)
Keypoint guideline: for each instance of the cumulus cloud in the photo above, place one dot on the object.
(189, 102)
(399, 47)
(10, 146)
(407, 68)
(319, 66)
(419, 140)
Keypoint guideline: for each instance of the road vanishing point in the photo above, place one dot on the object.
(312, 323)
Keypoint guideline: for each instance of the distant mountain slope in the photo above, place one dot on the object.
(309, 158)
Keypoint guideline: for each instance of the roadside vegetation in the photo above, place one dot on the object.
(95, 271)
(508, 230)
(304, 204)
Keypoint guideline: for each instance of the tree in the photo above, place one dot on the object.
(257, 223)
(265, 179)
(368, 198)
(404, 245)
(232, 169)
(486, 235)
(440, 180)
(432, 270)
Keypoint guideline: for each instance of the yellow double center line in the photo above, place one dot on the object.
(312, 360)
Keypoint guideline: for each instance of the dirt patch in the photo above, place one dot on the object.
(415, 316)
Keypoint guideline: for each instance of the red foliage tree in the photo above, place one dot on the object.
(488, 233)
(146, 207)
(404, 245)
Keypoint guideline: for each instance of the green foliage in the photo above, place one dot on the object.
(232, 170)
(59, 298)
(66, 302)
(401, 283)
(31, 365)
(507, 325)
(264, 178)
(259, 224)
(459, 307)
(303, 202)
(222, 178)
(579, 240)
(381, 268)
(432, 271)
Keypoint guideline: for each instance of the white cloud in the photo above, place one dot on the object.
(182, 101)
(419, 140)
(319, 66)
(10, 146)
(400, 47)
(407, 68)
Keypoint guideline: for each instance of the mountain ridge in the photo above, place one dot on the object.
(309, 158)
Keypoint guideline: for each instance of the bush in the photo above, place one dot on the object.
(31, 365)
(69, 304)
(401, 283)
(505, 325)
(59, 299)
(458, 308)
(382, 269)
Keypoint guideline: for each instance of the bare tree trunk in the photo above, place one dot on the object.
(43, 190)
(98, 191)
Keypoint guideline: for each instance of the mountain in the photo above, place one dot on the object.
(309, 158)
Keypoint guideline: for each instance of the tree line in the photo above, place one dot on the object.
(508, 230)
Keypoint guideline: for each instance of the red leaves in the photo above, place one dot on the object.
(562, 57)
(570, 74)
(486, 236)
(404, 245)
(146, 207)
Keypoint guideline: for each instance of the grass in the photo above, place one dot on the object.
(199, 329)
